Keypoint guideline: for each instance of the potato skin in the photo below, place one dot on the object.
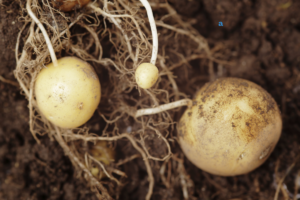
(231, 128)
(69, 94)
(146, 75)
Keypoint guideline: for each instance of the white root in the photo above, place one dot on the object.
(76, 161)
(153, 30)
(162, 108)
(134, 144)
(9, 81)
(44, 32)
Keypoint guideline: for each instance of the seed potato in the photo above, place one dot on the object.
(231, 128)
(68, 95)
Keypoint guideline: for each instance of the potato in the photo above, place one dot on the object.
(68, 95)
(231, 128)
(101, 151)
(146, 75)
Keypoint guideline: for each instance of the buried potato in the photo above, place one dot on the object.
(231, 128)
(69, 93)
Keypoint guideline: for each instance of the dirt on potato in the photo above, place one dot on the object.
(230, 128)
(260, 42)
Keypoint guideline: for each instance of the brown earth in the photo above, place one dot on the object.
(263, 37)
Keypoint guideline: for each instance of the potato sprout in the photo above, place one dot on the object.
(153, 30)
(44, 32)
(68, 95)
(146, 75)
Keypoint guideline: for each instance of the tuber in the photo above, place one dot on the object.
(68, 94)
(231, 127)
(103, 153)
(146, 75)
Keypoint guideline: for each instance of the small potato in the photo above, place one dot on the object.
(68, 95)
(146, 75)
(231, 128)
(102, 152)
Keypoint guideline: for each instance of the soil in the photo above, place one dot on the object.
(262, 37)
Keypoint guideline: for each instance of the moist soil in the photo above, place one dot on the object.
(262, 37)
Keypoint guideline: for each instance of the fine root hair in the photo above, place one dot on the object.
(115, 38)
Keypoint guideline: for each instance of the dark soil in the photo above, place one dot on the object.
(262, 37)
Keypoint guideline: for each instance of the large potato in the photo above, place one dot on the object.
(69, 93)
(231, 128)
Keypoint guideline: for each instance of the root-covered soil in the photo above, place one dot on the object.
(259, 41)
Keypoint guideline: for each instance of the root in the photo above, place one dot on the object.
(134, 144)
(9, 81)
(74, 159)
(166, 181)
(153, 30)
(162, 108)
(297, 179)
(115, 50)
(96, 39)
(171, 79)
(99, 10)
(30, 100)
(280, 181)
(44, 32)
(169, 154)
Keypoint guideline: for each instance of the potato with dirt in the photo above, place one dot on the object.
(68, 94)
(231, 128)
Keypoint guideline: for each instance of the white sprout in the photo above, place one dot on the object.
(162, 108)
(153, 30)
(40, 25)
